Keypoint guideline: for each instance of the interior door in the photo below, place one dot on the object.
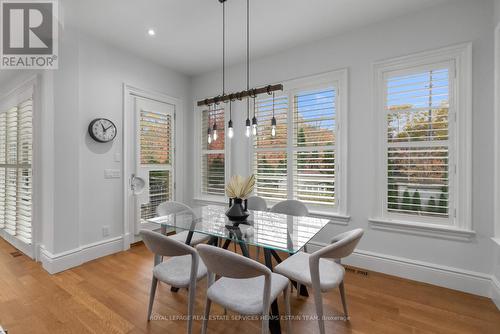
(152, 181)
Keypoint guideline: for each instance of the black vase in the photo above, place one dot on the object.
(237, 211)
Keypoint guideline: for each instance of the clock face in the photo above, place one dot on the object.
(102, 130)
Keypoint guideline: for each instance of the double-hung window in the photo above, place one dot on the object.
(305, 159)
(421, 102)
(212, 154)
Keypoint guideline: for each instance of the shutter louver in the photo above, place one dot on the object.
(270, 153)
(314, 146)
(417, 108)
(213, 178)
(155, 134)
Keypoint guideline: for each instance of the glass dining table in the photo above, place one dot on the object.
(267, 230)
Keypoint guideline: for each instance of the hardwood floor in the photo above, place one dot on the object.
(110, 295)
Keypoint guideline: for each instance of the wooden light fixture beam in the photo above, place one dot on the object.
(240, 95)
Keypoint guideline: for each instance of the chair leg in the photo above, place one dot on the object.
(298, 290)
(287, 310)
(206, 316)
(191, 303)
(318, 300)
(152, 293)
(265, 322)
(342, 295)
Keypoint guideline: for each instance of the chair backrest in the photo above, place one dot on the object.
(291, 207)
(172, 207)
(162, 245)
(342, 245)
(256, 203)
(228, 264)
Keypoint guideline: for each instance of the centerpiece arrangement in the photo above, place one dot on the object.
(238, 190)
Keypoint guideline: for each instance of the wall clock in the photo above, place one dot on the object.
(102, 130)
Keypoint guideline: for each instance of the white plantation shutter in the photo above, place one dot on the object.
(213, 155)
(314, 146)
(417, 108)
(270, 153)
(16, 141)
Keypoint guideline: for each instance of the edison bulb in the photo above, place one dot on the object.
(215, 135)
(273, 131)
(209, 139)
(247, 132)
(230, 132)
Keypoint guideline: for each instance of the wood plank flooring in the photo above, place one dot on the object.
(110, 295)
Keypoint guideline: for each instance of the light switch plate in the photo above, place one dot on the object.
(112, 174)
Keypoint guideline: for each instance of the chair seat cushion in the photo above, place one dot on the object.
(176, 271)
(296, 268)
(197, 238)
(245, 296)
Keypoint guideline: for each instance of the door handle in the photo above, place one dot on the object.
(137, 184)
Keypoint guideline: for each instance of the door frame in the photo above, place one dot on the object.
(128, 117)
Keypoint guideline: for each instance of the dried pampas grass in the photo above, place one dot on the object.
(239, 187)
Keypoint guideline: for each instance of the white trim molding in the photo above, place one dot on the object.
(427, 230)
(426, 272)
(495, 291)
(458, 58)
(55, 263)
(496, 220)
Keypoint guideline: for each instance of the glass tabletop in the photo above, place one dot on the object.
(263, 229)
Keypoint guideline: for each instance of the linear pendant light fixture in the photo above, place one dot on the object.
(251, 127)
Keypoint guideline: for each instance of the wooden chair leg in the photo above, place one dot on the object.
(206, 316)
(344, 301)
(152, 293)
(191, 303)
(288, 310)
(318, 301)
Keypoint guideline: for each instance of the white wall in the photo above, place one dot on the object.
(456, 22)
(89, 84)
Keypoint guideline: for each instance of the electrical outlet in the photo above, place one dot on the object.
(105, 231)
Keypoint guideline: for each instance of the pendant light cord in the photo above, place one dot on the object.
(248, 44)
(223, 48)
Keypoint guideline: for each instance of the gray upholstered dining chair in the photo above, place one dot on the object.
(172, 207)
(256, 203)
(182, 270)
(246, 286)
(325, 271)
(291, 207)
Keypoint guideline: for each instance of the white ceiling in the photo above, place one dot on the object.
(188, 32)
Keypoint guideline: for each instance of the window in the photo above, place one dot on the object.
(156, 156)
(213, 154)
(300, 161)
(423, 100)
(16, 140)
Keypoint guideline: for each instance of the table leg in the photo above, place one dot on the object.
(226, 244)
(274, 321)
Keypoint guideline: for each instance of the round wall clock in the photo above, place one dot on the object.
(102, 130)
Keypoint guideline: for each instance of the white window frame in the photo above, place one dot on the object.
(459, 226)
(198, 150)
(339, 80)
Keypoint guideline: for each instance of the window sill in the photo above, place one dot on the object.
(335, 218)
(211, 200)
(422, 229)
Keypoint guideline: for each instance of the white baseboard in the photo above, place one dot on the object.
(447, 277)
(495, 291)
(55, 263)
